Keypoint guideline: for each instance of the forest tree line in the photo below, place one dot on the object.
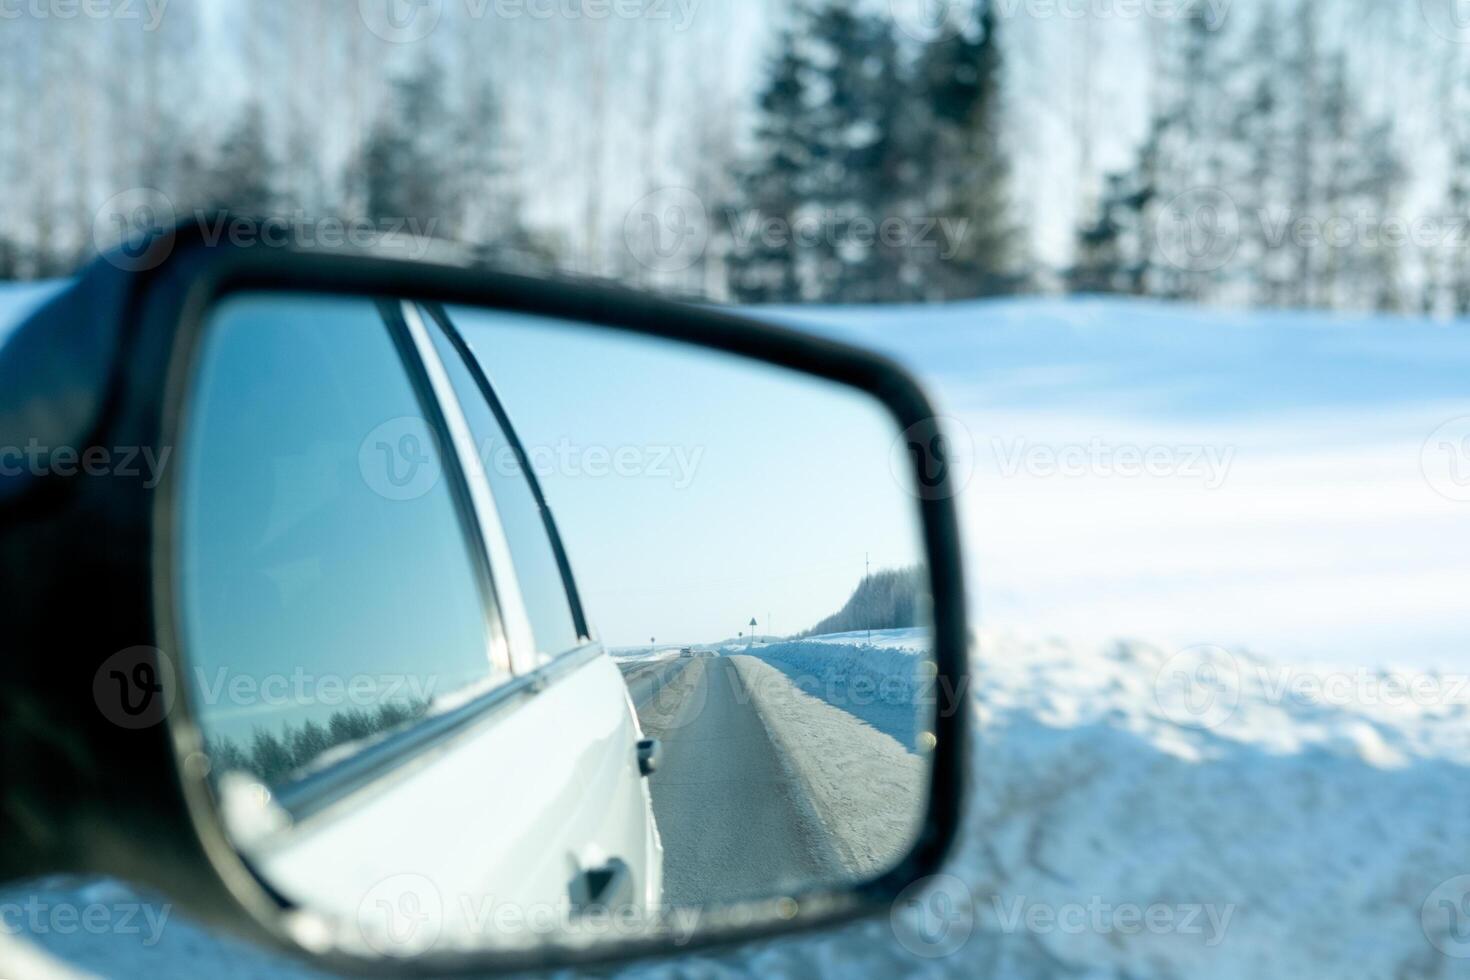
(894, 598)
(868, 165)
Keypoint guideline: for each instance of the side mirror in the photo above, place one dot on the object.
(366, 671)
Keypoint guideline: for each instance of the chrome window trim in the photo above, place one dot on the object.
(379, 766)
(516, 654)
(439, 314)
(512, 652)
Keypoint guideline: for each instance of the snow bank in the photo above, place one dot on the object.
(625, 654)
(1204, 777)
(1150, 813)
(879, 680)
(1279, 823)
(867, 790)
(915, 639)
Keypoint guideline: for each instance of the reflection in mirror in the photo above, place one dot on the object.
(502, 622)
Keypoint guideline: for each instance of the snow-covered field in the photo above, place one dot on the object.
(1295, 483)
(1219, 575)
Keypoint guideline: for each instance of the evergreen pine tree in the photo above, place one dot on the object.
(242, 176)
(861, 180)
(766, 268)
(965, 173)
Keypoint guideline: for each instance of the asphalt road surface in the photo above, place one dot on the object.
(734, 824)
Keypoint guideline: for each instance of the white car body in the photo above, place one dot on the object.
(498, 818)
(489, 859)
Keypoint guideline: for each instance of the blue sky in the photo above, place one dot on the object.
(746, 491)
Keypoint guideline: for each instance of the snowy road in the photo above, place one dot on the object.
(647, 678)
(734, 823)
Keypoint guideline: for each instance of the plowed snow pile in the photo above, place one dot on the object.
(1135, 813)
(1149, 813)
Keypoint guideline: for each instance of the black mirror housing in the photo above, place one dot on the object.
(101, 768)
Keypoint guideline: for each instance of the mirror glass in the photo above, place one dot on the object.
(501, 631)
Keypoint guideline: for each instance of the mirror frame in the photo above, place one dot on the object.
(139, 808)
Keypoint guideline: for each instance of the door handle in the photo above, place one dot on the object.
(607, 887)
(650, 750)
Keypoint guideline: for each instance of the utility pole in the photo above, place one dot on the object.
(865, 582)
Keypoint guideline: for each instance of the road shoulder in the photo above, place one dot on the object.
(868, 791)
